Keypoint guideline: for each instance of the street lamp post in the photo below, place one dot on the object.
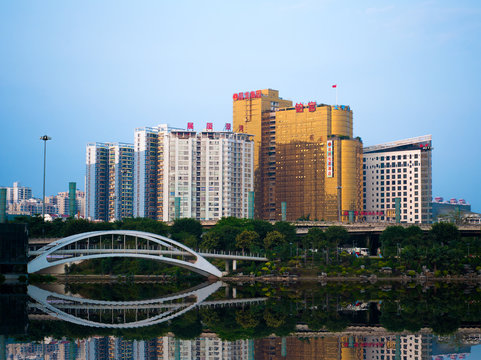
(44, 138)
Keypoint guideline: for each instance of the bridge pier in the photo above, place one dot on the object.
(227, 265)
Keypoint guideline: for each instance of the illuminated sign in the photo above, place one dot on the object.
(425, 146)
(342, 107)
(329, 159)
(363, 344)
(364, 213)
(299, 107)
(190, 126)
(312, 106)
(391, 213)
(247, 95)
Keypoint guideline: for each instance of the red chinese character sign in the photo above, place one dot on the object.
(241, 128)
(209, 127)
(330, 159)
(312, 106)
(299, 107)
(228, 127)
(247, 95)
(190, 126)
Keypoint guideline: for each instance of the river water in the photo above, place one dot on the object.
(217, 320)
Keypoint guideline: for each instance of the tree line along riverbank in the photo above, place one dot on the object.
(400, 251)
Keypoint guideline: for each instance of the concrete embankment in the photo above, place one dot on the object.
(371, 279)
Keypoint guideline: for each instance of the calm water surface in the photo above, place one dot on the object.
(193, 320)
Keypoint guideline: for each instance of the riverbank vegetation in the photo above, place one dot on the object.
(398, 251)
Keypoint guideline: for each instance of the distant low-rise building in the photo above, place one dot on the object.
(31, 207)
(451, 210)
(17, 193)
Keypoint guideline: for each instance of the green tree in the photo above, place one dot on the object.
(444, 233)
(79, 226)
(211, 241)
(391, 239)
(337, 235)
(187, 326)
(286, 229)
(246, 239)
(186, 225)
(261, 227)
(145, 224)
(274, 239)
(315, 238)
(413, 236)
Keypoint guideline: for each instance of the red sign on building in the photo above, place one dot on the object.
(247, 95)
(209, 127)
(299, 107)
(241, 128)
(312, 106)
(228, 127)
(190, 126)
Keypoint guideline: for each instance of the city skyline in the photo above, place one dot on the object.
(90, 72)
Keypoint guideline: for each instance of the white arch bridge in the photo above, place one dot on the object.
(132, 244)
(127, 314)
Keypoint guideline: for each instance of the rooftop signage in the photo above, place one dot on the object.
(247, 95)
(311, 105)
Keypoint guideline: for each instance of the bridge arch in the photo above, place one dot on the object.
(60, 252)
(57, 305)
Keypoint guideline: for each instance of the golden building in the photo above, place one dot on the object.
(254, 113)
(307, 159)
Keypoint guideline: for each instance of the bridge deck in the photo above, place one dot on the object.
(213, 255)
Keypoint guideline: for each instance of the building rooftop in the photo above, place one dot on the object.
(398, 145)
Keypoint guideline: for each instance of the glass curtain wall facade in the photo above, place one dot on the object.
(254, 113)
(305, 157)
(319, 164)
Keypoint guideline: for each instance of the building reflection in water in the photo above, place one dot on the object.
(209, 347)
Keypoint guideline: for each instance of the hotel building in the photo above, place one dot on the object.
(108, 182)
(307, 163)
(398, 174)
(205, 175)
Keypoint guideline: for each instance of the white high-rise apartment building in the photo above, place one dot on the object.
(394, 347)
(108, 182)
(208, 348)
(398, 170)
(179, 173)
(225, 163)
(18, 193)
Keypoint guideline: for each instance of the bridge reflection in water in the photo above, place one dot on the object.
(128, 314)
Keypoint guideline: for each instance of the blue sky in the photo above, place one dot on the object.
(86, 71)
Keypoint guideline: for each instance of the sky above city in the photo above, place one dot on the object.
(93, 71)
